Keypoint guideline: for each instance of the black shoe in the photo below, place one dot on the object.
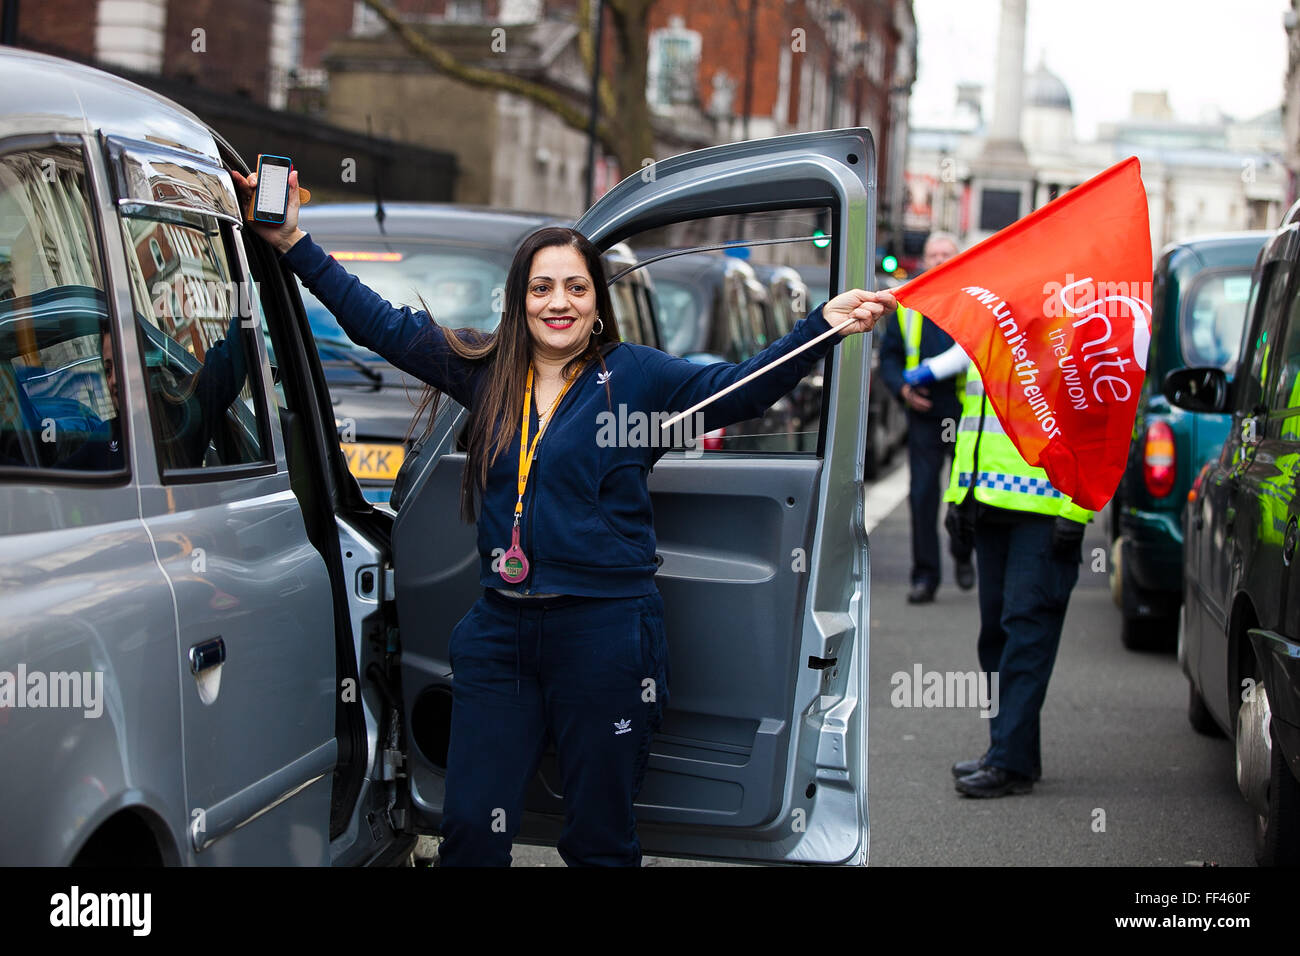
(920, 594)
(965, 575)
(964, 768)
(993, 782)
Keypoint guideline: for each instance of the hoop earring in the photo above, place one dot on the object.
(598, 327)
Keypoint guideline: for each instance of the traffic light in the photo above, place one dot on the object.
(822, 229)
(886, 261)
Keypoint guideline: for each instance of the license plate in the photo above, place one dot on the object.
(374, 462)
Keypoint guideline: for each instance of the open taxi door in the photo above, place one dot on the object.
(763, 556)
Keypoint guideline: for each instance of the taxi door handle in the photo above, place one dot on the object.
(206, 655)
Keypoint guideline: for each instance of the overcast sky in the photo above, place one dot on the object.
(1229, 54)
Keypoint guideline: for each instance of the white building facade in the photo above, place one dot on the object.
(1200, 178)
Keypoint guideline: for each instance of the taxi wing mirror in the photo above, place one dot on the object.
(1197, 389)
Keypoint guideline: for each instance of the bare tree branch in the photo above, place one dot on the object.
(568, 112)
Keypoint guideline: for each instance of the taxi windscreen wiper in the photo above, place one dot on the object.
(337, 354)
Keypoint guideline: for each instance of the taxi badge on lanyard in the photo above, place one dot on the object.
(514, 563)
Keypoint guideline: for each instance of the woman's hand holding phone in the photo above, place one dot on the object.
(281, 236)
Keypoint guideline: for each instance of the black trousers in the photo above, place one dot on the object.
(926, 451)
(1024, 591)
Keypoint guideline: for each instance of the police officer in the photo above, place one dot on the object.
(931, 412)
(1028, 540)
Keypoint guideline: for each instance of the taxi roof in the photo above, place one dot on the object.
(45, 94)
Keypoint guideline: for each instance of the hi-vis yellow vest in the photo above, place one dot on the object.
(987, 461)
(909, 324)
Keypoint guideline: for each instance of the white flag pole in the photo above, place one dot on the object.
(755, 374)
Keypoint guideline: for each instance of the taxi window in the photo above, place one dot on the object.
(58, 391)
(463, 288)
(1212, 319)
(1260, 336)
(726, 287)
(1286, 394)
(741, 345)
(679, 306)
(626, 311)
(198, 348)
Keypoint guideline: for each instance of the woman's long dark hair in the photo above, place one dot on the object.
(507, 353)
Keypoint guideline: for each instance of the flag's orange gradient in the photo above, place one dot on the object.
(1055, 311)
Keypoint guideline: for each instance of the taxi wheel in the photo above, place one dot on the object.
(1277, 834)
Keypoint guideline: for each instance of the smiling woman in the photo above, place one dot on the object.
(569, 632)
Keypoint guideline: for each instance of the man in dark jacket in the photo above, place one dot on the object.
(932, 415)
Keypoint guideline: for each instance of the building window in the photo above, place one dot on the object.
(465, 11)
(998, 208)
(674, 64)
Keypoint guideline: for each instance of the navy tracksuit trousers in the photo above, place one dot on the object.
(589, 674)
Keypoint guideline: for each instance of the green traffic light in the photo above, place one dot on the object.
(820, 239)
(888, 264)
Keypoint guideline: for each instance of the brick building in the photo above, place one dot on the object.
(718, 72)
(238, 64)
(768, 67)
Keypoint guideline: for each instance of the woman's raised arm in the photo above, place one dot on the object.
(408, 338)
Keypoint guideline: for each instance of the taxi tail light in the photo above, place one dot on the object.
(1159, 460)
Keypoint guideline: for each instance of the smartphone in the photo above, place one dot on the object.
(271, 201)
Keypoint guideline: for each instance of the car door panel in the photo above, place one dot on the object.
(1244, 492)
(720, 755)
(762, 755)
(84, 595)
(251, 593)
(1234, 513)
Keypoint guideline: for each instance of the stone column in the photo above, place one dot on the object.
(1002, 181)
(1008, 97)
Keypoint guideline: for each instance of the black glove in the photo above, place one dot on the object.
(961, 530)
(1067, 540)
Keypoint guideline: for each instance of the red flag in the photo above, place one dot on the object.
(1055, 311)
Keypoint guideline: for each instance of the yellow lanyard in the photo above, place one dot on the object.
(527, 451)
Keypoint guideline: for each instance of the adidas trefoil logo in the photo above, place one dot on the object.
(603, 377)
(622, 726)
